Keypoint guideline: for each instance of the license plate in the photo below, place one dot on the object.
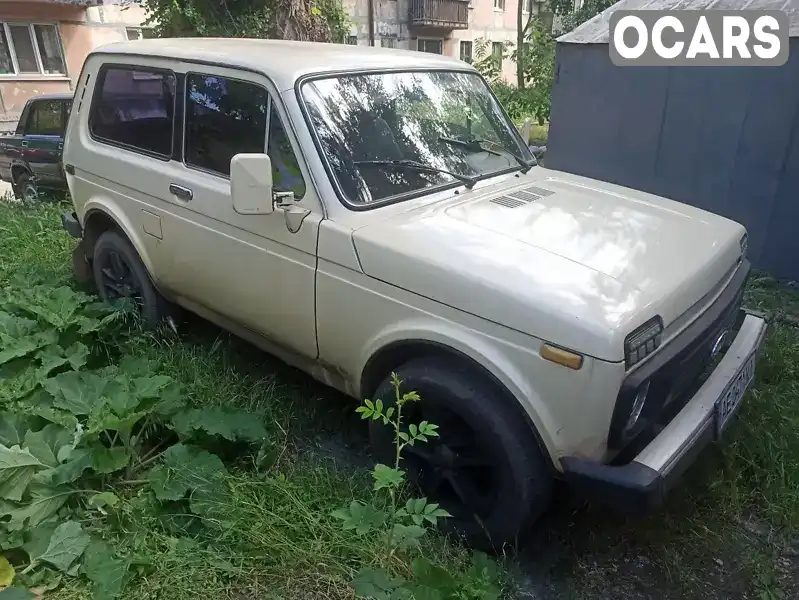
(730, 399)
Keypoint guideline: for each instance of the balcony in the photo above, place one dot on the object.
(445, 14)
(80, 3)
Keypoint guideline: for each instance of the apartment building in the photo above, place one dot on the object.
(43, 44)
(449, 27)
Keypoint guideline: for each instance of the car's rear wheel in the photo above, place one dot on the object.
(486, 468)
(120, 274)
(26, 189)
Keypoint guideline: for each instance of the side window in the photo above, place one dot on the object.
(46, 118)
(224, 117)
(286, 174)
(134, 107)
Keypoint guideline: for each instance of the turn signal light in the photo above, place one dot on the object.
(562, 357)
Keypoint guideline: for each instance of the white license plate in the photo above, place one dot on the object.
(730, 399)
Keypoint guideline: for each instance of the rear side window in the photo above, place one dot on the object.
(224, 117)
(134, 107)
(46, 118)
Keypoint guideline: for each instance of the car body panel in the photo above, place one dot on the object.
(581, 267)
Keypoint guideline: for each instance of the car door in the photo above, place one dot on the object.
(43, 141)
(248, 268)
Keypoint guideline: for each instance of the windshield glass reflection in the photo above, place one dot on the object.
(378, 130)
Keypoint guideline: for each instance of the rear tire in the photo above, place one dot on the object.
(26, 189)
(120, 273)
(485, 445)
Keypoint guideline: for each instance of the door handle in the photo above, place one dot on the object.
(24, 143)
(181, 192)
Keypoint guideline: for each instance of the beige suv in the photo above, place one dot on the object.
(358, 211)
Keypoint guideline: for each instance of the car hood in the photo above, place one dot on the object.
(567, 259)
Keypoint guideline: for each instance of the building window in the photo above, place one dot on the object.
(499, 4)
(466, 52)
(388, 42)
(139, 33)
(134, 107)
(530, 7)
(431, 46)
(30, 48)
(352, 40)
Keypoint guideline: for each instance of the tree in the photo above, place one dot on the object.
(571, 18)
(314, 20)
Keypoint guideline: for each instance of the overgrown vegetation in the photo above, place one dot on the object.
(228, 509)
(400, 527)
(534, 56)
(143, 466)
(314, 20)
(570, 18)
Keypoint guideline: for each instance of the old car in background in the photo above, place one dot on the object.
(30, 158)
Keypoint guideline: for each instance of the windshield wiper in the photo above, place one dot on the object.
(412, 164)
(476, 144)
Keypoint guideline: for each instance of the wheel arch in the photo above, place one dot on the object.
(100, 216)
(395, 353)
(18, 169)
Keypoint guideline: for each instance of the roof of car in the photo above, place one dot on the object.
(284, 61)
(59, 96)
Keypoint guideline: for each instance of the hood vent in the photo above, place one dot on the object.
(521, 197)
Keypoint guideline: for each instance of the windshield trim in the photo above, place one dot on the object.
(402, 197)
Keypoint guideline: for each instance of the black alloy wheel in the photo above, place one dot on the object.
(119, 274)
(486, 468)
(118, 280)
(458, 468)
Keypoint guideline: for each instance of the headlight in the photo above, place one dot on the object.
(643, 341)
(744, 245)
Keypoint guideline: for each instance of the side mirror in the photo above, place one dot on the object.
(251, 184)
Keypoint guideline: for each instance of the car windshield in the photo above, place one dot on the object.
(378, 130)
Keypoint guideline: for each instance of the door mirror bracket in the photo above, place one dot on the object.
(294, 213)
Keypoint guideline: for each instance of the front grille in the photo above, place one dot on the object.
(676, 372)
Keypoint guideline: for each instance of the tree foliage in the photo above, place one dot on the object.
(571, 18)
(535, 67)
(313, 20)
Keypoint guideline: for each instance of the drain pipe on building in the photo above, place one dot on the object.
(371, 17)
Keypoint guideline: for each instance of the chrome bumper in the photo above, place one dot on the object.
(644, 481)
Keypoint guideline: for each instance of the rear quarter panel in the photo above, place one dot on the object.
(100, 172)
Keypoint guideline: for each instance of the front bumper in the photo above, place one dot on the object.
(642, 483)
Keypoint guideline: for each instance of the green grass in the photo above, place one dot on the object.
(722, 534)
(283, 542)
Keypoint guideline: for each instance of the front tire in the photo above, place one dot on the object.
(487, 468)
(119, 273)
